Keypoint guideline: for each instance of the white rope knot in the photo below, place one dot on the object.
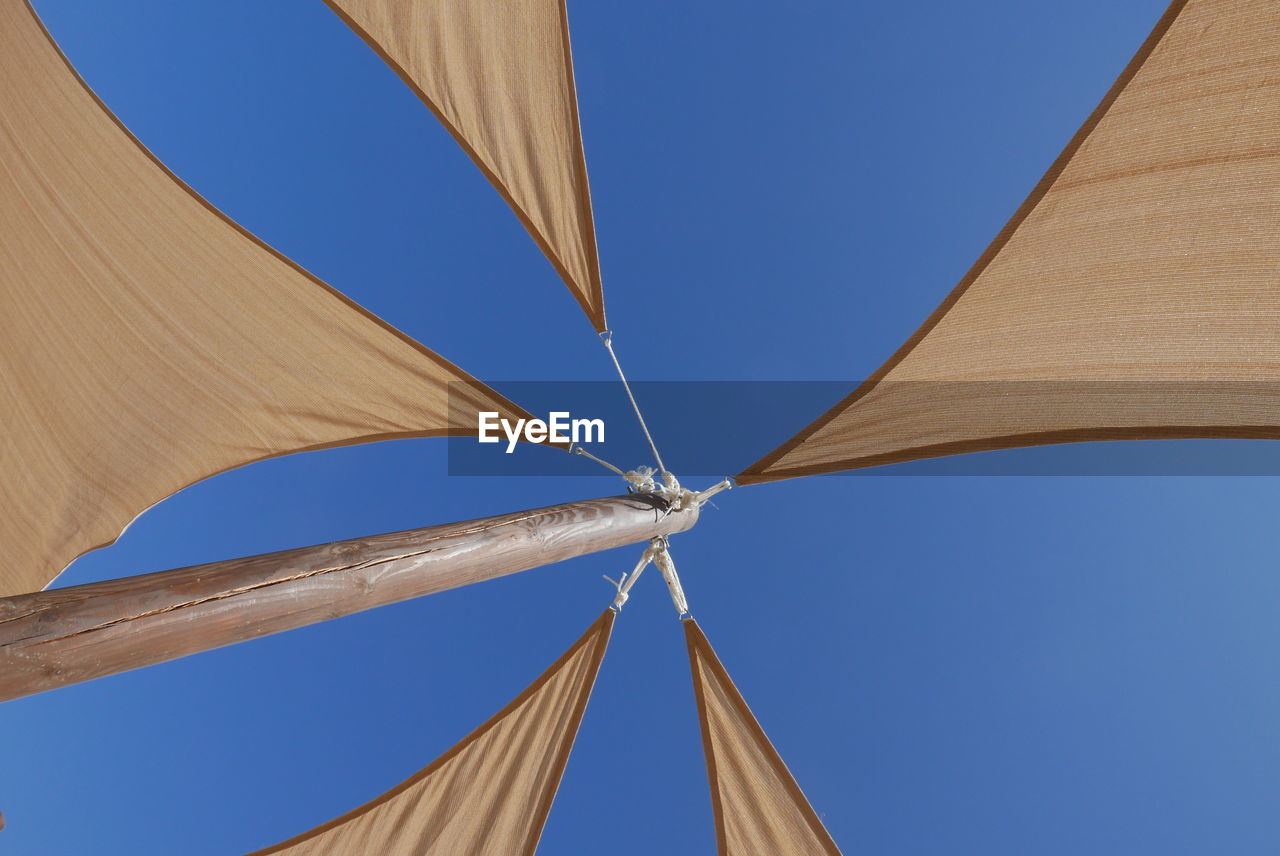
(645, 480)
(642, 480)
(679, 498)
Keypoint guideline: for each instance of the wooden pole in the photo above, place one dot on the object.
(64, 636)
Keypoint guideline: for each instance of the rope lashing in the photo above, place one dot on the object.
(668, 567)
(624, 584)
(644, 480)
(658, 553)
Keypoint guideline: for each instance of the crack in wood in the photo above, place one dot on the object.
(64, 636)
(235, 592)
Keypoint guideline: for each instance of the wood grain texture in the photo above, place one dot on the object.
(64, 636)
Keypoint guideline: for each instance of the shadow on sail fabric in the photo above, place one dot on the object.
(147, 341)
(1136, 292)
(499, 75)
(489, 794)
(758, 806)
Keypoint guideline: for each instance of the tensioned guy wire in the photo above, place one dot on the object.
(575, 449)
(607, 338)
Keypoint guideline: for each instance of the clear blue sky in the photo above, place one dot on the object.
(959, 665)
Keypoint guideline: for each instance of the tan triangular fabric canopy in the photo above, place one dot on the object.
(499, 75)
(491, 793)
(146, 341)
(1135, 294)
(758, 806)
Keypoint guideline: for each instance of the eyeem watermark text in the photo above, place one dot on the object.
(553, 430)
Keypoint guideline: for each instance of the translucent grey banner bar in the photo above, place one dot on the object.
(718, 428)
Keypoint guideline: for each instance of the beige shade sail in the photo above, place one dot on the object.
(1136, 292)
(491, 793)
(147, 342)
(758, 806)
(499, 76)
